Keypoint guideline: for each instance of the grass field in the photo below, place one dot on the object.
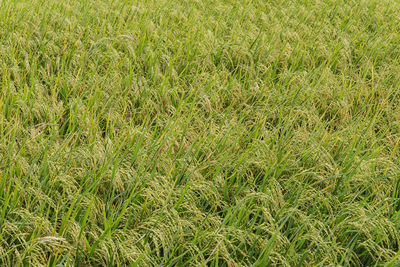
(199, 133)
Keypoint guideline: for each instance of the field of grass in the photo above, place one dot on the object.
(199, 133)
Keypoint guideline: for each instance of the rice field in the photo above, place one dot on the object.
(199, 133)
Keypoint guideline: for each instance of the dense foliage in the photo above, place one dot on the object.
(217, 133)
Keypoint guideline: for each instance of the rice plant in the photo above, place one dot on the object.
(199, 133)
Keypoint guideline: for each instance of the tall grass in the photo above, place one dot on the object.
(199, 133)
